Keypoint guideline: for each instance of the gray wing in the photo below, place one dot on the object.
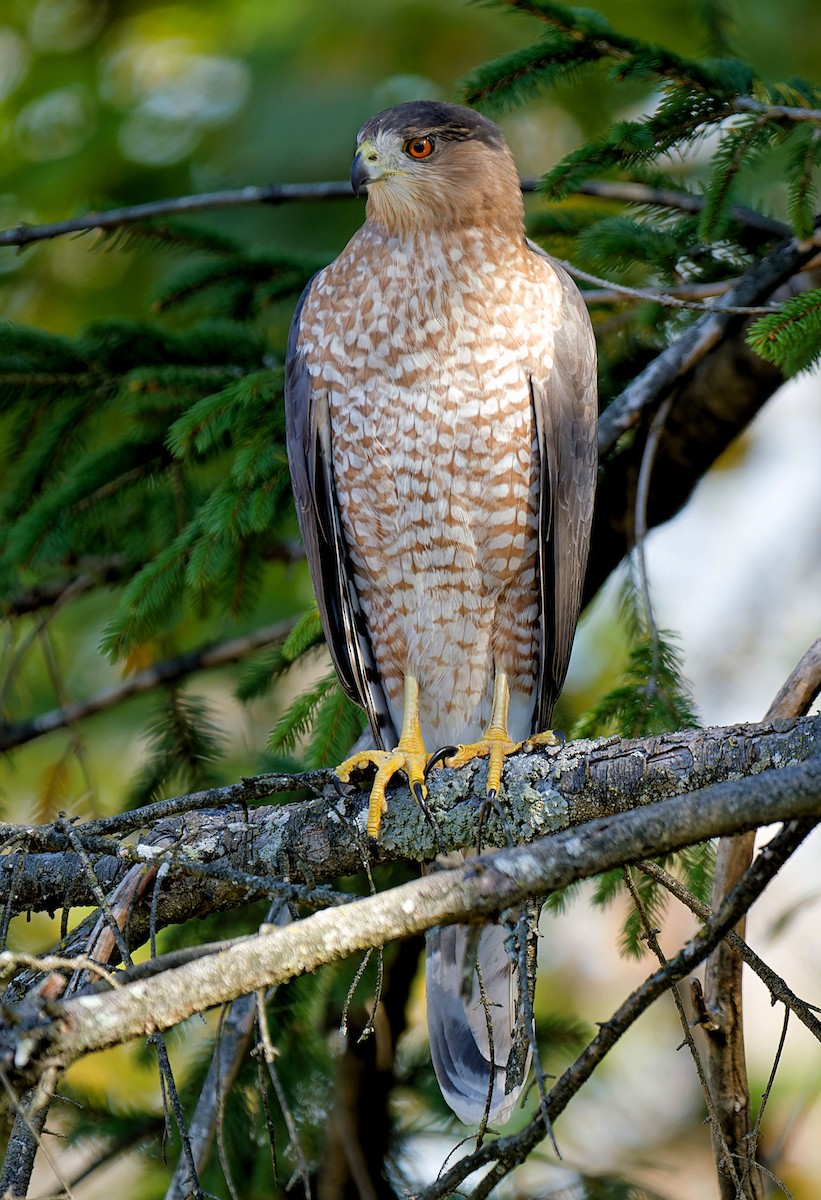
(566, 411)
(309, 436)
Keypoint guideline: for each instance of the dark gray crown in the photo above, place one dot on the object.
(437, 118)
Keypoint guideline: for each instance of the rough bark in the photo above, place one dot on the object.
(59, 1033)
(721, 1011)
(322, 839)
(718, 385)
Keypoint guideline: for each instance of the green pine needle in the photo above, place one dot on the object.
(739, 148)
(153, 599)
(621, 244)
(298, 719)
(790, 338)
(802, 194)
(338, 724)
(515, 78)
(184, 743)
(235, 411)
(172, 234)
(306, 635)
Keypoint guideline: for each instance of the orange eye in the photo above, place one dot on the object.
(419, 147)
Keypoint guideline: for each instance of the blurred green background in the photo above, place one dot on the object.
(119, 103)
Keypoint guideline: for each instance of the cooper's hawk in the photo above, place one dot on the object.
(441, 416)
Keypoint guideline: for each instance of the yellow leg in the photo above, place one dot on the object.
(496, 744)
(409, 757)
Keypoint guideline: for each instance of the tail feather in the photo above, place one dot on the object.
(458, 1026)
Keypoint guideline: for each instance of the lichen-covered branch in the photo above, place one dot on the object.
(60, 1033)
(218, 845)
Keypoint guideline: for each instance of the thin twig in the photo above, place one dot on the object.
(651, 937)
(755, 1132)
(491, 1051)
(667, 368)
(160, 674)
(529, 1017)
(631, 193)
(99, 895)
(665, 299)
(269, 1054)
(776, 986)
(160, 876)
(172, 1095)
(640, 520)
(12, 961)
(26, 1136)
(360, 971)
(508, 1152)
(219, 1088)
(776, 112)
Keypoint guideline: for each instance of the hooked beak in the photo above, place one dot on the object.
(360, 177)
(366, 168)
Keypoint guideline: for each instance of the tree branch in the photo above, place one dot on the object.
(288, 193)
(688, 350)
(718, 385)
(721, 1008)
(508, 1152)
(483, 888)
(159, 674)
(777, 112)
(218, 847)
(774, 983)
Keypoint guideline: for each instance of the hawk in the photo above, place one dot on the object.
(441, 426)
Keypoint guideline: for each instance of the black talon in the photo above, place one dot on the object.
(421, 799)
(560, 737)
(439, 756)
(342, 789)
(492, 804)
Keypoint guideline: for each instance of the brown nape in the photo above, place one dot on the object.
(470, 184)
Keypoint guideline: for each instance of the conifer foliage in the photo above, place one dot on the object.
(144, 467)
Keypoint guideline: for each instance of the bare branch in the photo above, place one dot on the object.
(694, 297)
(22, 235)
(629, 192)
(722, 1009)
(289, 193)
(651, 937)
(25, 1140)
(801, 687)
(508, 1152)
(777, 112)
(682, 355)
(484, 887)
(718, 387)
(776, 986)
(160, 674)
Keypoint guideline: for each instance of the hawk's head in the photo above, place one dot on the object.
(432, 165)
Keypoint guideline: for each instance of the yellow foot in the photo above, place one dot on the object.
(495, 746)
(409, 760)
(547, 738)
